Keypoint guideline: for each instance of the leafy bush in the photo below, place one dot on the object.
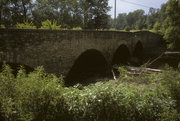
(77, 28)
(101, 102)
(25, 25)
(38, 96)
(127, 28)
(28, 97)
(112, 29)
(157, 26)
(7, 85)
(2, 26)
(50, 25)
(171, 80)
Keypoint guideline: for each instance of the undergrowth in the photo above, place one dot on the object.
(39, 96)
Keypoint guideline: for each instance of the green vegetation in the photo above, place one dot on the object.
(49, 25)
(165, 21)
(38, 96)
(157, 27)
(2, 26)
(127, 28)
(87, 14)
(77, 28)
(25, 25)
(171, 25)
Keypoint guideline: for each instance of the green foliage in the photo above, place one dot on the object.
(15, 11)
(28, 97)
(38, 96)
(2, 26)
(171, 27)
(87, 14)
(25, 25)
(112, 29)
(77, 28)
(7, 85)
(49, 25)
(100, 102)
(121, 21)
(153, 17)
(171, 80)
(137, 20)
(95, 14)
(127, 28)
(157, 27)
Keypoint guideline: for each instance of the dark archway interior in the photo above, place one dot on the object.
(121, 56)
(88, 65)
(16, 66)
(138, 54)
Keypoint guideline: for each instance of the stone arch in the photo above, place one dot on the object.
(121, 55)
(138, 54)
(90, 63)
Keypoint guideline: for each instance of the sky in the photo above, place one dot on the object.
(126, 6)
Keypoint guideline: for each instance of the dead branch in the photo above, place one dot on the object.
(114, 76)
(172, 53)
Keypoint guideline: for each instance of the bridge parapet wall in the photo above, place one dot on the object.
(57, 50)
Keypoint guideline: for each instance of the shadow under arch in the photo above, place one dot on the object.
(138, 54)
(89, 64)
(16, 66)
(121, 56)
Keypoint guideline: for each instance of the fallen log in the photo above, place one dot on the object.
(171, 53)
(130, 68)
(136, 71)
(154, 70)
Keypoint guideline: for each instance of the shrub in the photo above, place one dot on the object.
(25, 25)
(7, 84)
(29, 97)
(50, 25)
(77, 28)
(171, 80)
(127, 28)
(2, 26)
(38, 96)
(157, 26)
(100, 102)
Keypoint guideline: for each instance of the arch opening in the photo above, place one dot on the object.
(89, 64)
(121, 56)
(138, 54)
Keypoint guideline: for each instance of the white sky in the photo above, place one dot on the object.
(124, 7)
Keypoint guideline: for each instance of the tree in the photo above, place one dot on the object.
(141, 20)
(135, 20)
(45, 10)
(15, 11)
(95, 14)
(153, 17)
(171, 25)
(5, 14)
(121, 21)
(162, 14)
(157, 26)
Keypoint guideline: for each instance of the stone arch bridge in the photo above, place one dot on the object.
(64, 51)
